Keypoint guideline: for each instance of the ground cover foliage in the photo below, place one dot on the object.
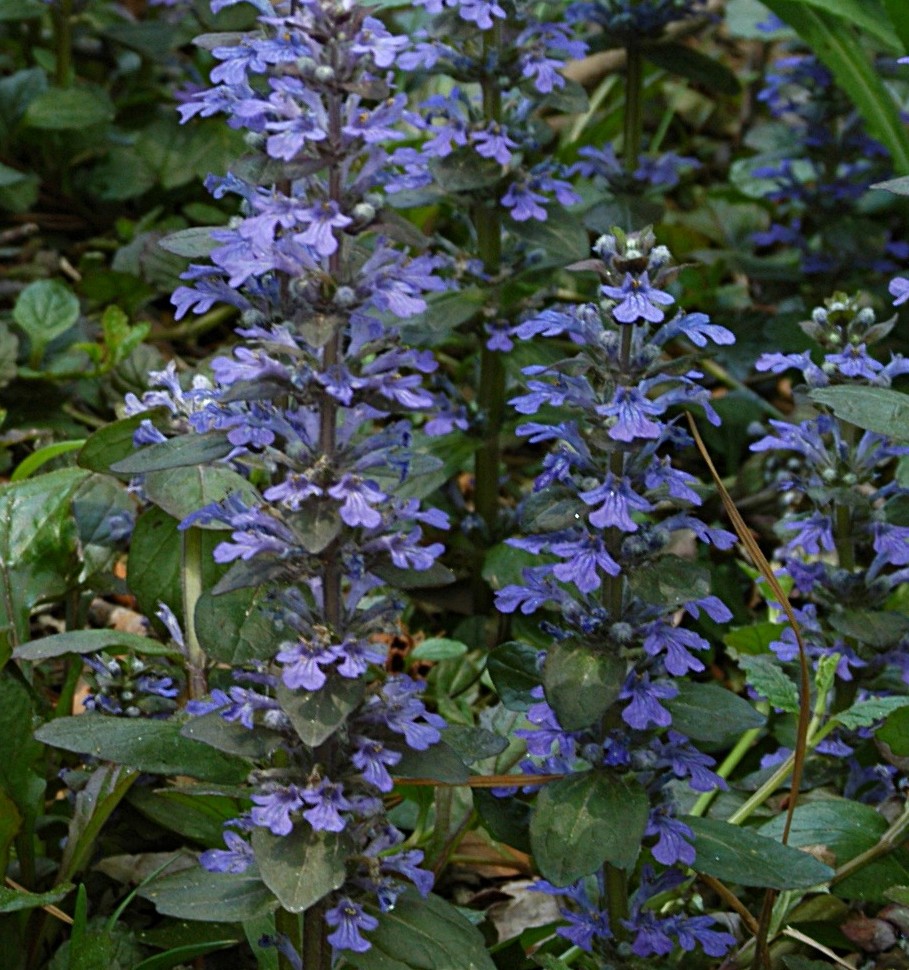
(455, 502)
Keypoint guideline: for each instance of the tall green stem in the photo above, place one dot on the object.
(491, 391)
(191, 573)
(634, 107)
(63, 41)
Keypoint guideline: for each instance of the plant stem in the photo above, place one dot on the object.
(616, 898)
(192, 592)
(289, 925)
(888, 842)
(491, 390)
(316, 950)
(634, 107)
(730, 763)
(815, 736)
(63, 41)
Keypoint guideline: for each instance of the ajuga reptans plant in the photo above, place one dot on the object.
(605, 512)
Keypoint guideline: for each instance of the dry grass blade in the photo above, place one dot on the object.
(58, 913)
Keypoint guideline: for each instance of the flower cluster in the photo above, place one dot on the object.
(845, 544)
(819, 186)
(612, 502)
(306, 406)
(477, 141)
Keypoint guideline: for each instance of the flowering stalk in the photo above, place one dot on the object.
(618, 500)
(844, 547)
(306, 406)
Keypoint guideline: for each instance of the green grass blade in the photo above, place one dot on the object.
(835, 42)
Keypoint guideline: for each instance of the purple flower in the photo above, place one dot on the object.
(632, 412)
(322, 218)
(673, 846)
(273, 810)
(237, 858)
(349, 918)
(493, 143)
(637, 299)
(326, 801)
(585, 557)
(358, 496)
(617, 500)
(644, 707)
(372, 759)
(304, 661)
(674, 642)
(899, 290)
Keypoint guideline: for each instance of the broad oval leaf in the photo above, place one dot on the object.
(514, 671)
(585, 820)
(581, 682)
(878, 409)
(438, 763)
(211, 897)
(422, 934)
(316, 714)
(153, 746)
(234, 628)
(190, 449)
(708, 712)
(91, 641)
(846, 829)
(739, 855)
(184, 490)
(303, 867)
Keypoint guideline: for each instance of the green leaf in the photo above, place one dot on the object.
(866, 713)
(581, 683)
(895, 731)
(10, 826)
(878, 628)
(14, 900)
(153, 746)
(211, 897)
(422, 934)
(316, 715)
(154, 562)
(436, 575)
(694, 65)
(473, 744)
(507, 820)
(190, 449)
(898, 186)
(28, 466)
(114, 442)
(69, 109)
(439, 762)
(444, 312)
(514, 672)
(439, 648)
(231, 736)
(585, 820)
(91, 641)
(45, 310)
(303, 867)
(103, 792)
(754, 639)
(195, 243)
(846, 828)
(671, 582)
(560, 239)
(181, 491)
(233, 628)
(877, 409)
(708, 712)
(835, 43)
(897, 11)
(39, 555)
(739, 855)
(19, 755)
(464, 171)
(196, 817)
(804, 963)
(768, 678)
(182, 955)
(868, 15)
